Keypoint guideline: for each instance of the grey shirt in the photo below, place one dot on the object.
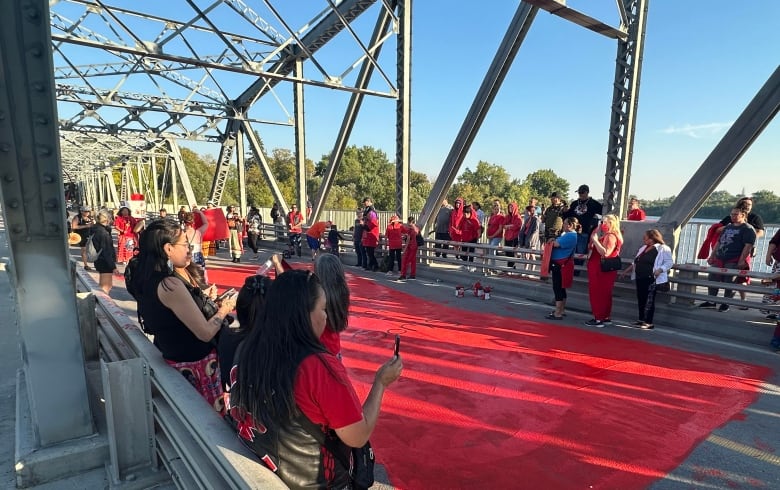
(443, 220)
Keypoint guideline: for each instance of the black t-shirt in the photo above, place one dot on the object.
(585, 212)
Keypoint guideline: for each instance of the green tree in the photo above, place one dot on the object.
(542, 183)
(486, 182)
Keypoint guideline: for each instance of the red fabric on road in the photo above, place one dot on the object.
(487, 401)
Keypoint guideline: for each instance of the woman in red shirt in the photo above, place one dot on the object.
(395, 242)
(284, 376)
(600, 283)
(128, 239)
(470, 231)
(512, 224)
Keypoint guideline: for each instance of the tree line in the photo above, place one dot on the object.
(367, 171)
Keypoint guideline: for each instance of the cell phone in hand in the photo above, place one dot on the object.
(226, 294)
(397, 345)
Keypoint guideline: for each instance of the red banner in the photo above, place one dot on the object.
(218, 228)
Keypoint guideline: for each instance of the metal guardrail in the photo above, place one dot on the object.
(688, 284)
(197, 448)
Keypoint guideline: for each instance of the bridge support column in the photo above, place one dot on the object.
(53, 411)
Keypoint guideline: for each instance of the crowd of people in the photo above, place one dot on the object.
(275, 371)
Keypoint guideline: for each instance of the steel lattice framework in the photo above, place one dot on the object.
(133, 77)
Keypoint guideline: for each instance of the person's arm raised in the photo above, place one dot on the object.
(174, 295)
(356, 435)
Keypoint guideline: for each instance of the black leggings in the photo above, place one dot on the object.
(511, 253)
(395, 253)
(645, 297)
(372, 263)
(557, 282)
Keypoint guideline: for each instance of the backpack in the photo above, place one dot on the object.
(92, 252)
(130, 268)
(420, 240)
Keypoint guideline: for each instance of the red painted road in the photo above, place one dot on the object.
(487, 401)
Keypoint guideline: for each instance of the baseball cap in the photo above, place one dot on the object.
(554, 194)
(583, 188)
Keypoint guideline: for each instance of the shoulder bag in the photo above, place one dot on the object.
(610, 264)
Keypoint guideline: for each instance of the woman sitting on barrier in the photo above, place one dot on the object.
(601, 282)
(174, 309)
(287, 387)
(650, 268)
(562, 265)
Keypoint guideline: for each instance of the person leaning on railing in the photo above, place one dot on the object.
(650, 269)
(732, 250)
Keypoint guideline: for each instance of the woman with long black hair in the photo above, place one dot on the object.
(286, 381)
(171, 296)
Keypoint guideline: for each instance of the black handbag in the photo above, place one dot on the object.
(609, 264)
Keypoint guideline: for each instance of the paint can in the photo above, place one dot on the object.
(486, 292)
(460, 291)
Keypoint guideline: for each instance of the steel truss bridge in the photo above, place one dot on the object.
(89, 88)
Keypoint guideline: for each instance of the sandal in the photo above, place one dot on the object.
(552, 316)
(87, 268)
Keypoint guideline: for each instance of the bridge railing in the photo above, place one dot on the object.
(689, 280)
(197, 448)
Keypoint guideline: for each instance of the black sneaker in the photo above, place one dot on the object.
(771, 316)
(412, 277)
(723, 307)
(594, 323)
(707, 304)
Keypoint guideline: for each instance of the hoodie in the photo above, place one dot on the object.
(512, 223)
(456, 234)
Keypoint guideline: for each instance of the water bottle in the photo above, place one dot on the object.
(264, 268)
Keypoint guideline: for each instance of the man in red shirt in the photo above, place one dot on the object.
(314, 234)
(294, 222)
(635, 213)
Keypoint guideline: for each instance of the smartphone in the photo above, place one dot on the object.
(226, 294)
(397, 345)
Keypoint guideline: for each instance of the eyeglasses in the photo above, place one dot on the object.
(185, 244)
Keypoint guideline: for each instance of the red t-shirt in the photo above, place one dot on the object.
(324, 393)
(317, 229)
(332, 341)
(294, 220)
(495, 222)
(636, 215)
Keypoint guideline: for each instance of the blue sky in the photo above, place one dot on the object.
(703, 62)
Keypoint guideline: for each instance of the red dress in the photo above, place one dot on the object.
(124, 226)
(601, 284)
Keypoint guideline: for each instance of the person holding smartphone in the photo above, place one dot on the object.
(309, 387)
(171, 294)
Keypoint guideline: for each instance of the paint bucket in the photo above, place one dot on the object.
(459, 291)
(486, 292)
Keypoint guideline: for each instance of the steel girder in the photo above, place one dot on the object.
(625, 98)
(54, 380)
(383, 23)
(336, 20)
(403, 127)
(148, 52)
(502, 61)
(748, 126)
